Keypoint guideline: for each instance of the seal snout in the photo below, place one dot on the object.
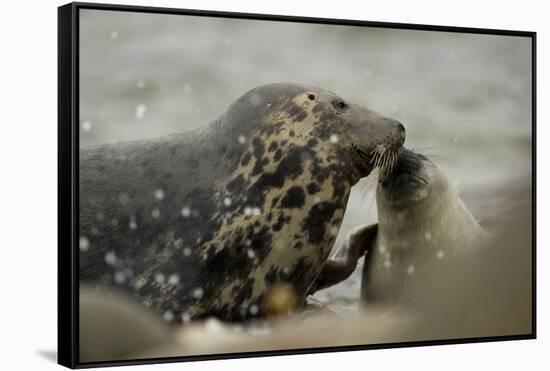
(406, 174)
(398, 130)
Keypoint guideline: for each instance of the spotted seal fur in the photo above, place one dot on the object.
(204, 223)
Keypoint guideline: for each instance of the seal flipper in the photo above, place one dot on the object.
(341, 267)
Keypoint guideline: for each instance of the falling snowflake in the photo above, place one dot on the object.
(86, 126)
(440, 254)
(410, 269)
(110, 258)
(84, 244)
(213, 325)
(159, 277)
(155, 213)
(187, 88)
(185, 317)
(241, 139)
(140, 84)
(159, 194)
(168, 316)
(227, 201)
(198, 293)
(186, 251)
(132, 224)
(334, 231)
(253, 309)
(140, 111)
(185, 212)
(428, 236)
(251, 254)
(252, 210)
(113, 35)
(333, 138)
(387, 263)
(120, 278)
(174, 279)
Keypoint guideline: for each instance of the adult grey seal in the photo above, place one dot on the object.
(421, 220)
(205, 223)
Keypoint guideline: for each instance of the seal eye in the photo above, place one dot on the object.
(311, 96)
(340, 104)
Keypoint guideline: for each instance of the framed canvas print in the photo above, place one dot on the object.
(236, 185)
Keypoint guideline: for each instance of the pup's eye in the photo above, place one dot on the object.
(340, 104)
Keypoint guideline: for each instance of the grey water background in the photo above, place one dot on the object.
(465, 99)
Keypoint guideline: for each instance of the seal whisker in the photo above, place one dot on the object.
(374, 158)
(426, 152)
(395, 156)
(379, 161)
(387, 164)
(384, 165)
(424, 148)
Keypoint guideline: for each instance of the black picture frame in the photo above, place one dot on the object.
(68, 179)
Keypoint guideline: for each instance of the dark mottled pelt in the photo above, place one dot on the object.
(207, 222)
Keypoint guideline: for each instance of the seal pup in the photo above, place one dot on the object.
(421, 220)
(205, 223)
